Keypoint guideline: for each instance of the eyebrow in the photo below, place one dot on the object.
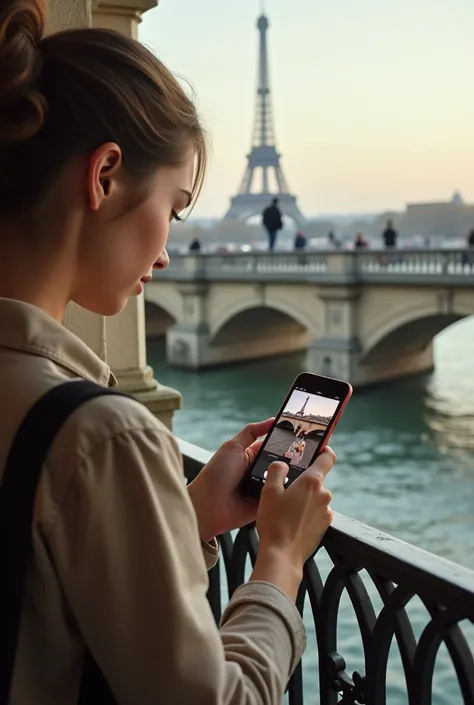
(188, 194)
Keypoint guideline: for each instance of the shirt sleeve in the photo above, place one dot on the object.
(126, 548)
(210, 552)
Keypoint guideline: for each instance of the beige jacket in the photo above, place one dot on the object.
(117, 562)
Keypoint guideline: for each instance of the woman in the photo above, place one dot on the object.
(295, 452)
(300, 448)
(99, 149)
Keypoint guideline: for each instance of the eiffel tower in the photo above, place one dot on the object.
(263, 156)
(302, 411)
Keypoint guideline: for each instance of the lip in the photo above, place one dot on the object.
(146, 279)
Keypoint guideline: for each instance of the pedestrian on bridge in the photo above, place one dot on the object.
(468, 256)
(195, 245)
(300, 242)
(390, 236)
(272, 222)
(360, 243)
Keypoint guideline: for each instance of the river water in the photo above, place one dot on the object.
(405, 464)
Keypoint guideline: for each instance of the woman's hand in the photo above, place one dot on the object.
(218, 504)
(292, 522)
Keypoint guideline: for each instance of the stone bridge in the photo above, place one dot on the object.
(365, 316)
(308, 424)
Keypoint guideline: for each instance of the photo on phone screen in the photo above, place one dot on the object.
(301, 428)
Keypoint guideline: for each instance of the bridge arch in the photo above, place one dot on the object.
(316, 435)
(257, 323)
(287, 425)
(409, 331)
(157, 320)
(237, 313)
(158, 296)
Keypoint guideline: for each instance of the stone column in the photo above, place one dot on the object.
(122, 15)
(67, 14)
(337, 353)
(126, 354)
(187, 343)
(120, 340)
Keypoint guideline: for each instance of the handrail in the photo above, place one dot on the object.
(331, 266)
(395, 573)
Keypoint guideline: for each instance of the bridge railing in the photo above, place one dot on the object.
(334, 266)
(367, 587)
(423, 263)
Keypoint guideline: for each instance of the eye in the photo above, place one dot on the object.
(175, 216)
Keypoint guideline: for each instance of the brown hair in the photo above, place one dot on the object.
(70, 92)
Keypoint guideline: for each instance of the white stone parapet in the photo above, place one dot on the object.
(336, 266)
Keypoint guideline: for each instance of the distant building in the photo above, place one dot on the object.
(450, 219)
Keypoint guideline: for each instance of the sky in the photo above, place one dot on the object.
(373, 99)
(317, 406)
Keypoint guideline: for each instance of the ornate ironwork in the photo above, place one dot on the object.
(382, 577)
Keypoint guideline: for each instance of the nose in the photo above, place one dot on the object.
(163, 261)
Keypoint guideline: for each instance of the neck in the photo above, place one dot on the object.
(34, 275)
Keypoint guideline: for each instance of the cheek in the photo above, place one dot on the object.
(152, 231)
(129, 249)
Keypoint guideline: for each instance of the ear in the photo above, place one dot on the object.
(104, 166)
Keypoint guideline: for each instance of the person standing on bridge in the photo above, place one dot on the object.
(360, 243)
(100, 149)
(390, 236)
(272, 222)
(195, 245)
(300, 242)
(467, 256)
(333, 241)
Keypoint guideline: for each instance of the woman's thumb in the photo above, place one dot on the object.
(276, 474)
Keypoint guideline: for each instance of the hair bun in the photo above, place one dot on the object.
(22, 106)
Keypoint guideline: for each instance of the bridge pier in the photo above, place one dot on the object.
(335, 358)
(344, 360)
(187, 341)
(187, 345)
(339, 352)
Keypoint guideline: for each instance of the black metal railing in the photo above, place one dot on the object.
(401, 598)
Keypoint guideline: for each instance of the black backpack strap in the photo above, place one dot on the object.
(17, 497)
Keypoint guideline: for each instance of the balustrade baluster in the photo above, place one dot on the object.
(369, 266)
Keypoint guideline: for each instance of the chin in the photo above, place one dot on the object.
(103, 307)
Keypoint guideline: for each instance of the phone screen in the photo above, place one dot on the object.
(300, 429)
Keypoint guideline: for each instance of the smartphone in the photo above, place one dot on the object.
(301, 429)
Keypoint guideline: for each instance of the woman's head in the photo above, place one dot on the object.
(99, 147)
